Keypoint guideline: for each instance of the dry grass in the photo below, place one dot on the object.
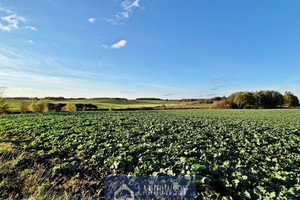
(69, 107)
(223, 104)
(22, 178)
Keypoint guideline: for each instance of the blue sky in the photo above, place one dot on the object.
(148, 48)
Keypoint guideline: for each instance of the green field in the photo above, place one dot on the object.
(235, 154)
(112, 103)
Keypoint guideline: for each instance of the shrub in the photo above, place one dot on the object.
(24, 107)
(38, 106)
(4, 107)
(223, 104)
(69, 107)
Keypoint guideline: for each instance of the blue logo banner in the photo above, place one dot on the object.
(150, 187)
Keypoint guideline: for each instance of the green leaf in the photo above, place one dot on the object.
(247, 194)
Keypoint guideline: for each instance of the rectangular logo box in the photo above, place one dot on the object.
(150, 187)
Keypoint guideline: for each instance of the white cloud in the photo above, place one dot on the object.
(4, 28)
(30, 41)
(104, 46)
(127, 8)
(11, 21)
(129, 5)
(31, 28)
(122, 15)
(119, 44)
(112, 21)
(5, 10)
(92, 20)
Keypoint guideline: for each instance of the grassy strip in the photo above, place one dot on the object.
(15, 104)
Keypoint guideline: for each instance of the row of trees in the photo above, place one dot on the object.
(42, 106)
(259, 99)
(204, 100)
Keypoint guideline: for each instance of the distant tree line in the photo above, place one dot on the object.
(258, 99)
(42, 106)
(149, 99)
(107, 98)
(20, 98)
(204, 100)
(54, 98)
(46, 98)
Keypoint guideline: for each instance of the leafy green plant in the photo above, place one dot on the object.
(234, 154)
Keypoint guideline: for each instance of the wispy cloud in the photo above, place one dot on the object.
(122, 15)
(33, 76)
(10, 20)
(119, 44)
(92, 20)
(112, 21)
(167, 95)
(20, 60)
(219, 82)
(31, 28)
(2, 9)
(20, 68)
(215, 80)
(127, 7)
(157, 86)
(217, 87)
(163, 87)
